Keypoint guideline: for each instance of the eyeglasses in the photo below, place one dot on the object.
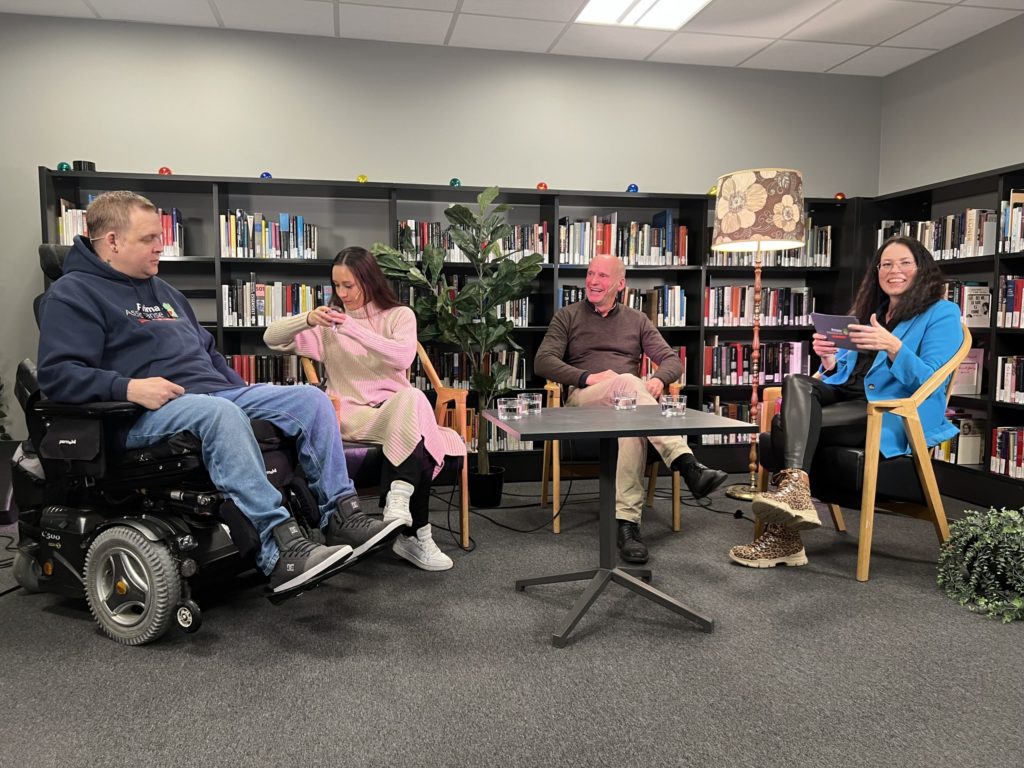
(905, 265)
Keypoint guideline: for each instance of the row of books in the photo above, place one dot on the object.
(1007, 456)
(731, 410)
(729, 364)
(733, 305)
(964, 448)
(665, 305)
(956, 236)
(660, 243)
(816, 252)
(519, 311)
(974, 300)
(1009, 299)
(269, 369)
(252, 236)
(1012, 219)
(454, 371)
(524, 239)
(1010, 379)
(969, 373)
(71, 222)
(249, 304)
(648, 366)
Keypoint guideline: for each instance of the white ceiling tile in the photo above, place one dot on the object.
(951, 27)
(865, 22)
(798, 56)
(1014, 5)
(709, 50)
(504, 34)
(192, 13)
(881, 61)
(297, 17)
(609, 42)
(421, 5)
(396, 25)
(754, 18)
(548, 10)
(73, 8)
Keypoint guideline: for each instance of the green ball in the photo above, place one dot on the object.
(63, 167)
(455, 183)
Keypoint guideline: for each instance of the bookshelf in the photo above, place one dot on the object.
(349, 213)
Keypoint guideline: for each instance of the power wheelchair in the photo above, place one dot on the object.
(131, 530)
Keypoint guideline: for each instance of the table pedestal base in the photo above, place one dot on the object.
(599, 579)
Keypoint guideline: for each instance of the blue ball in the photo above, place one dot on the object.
(632, 188)
(266, 175)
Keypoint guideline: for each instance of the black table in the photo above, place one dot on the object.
(607, 425)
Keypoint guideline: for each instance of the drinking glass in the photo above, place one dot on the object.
(508, 408)
(624, 402)
(530, 403)
(669, 405)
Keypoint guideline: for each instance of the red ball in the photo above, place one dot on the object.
(164, 171)
(542, 185)
(840, 195)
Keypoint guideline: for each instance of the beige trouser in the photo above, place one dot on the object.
(629, 471)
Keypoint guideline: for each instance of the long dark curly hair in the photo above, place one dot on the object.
(376, 288)
(927, 287)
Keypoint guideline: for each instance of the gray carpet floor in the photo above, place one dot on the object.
(388, 665)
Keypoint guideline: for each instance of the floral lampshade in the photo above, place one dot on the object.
(763, 206)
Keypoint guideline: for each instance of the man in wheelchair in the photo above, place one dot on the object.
(111, 330)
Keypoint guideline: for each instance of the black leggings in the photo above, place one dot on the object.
(417, 470)
(813, 414)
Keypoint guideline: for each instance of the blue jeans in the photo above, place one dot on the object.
(232, 456)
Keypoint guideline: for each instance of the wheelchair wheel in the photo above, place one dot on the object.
(132, 585)
(26, 572)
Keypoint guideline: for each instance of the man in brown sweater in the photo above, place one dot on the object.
(594, 348)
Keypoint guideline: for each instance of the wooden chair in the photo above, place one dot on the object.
(365, 459)
(902, 484)
(551, 472)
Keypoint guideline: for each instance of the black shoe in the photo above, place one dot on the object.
(701, 480)
(631, 547)
(301, 559)
(349, 525)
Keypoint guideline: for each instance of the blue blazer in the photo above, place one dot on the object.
(929, 341)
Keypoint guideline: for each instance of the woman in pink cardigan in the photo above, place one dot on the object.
(367, 341)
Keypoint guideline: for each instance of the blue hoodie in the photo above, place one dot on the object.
(99, 328)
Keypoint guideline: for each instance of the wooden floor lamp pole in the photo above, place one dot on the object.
(747, 492)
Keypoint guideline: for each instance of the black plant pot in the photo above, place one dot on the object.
(485, 490)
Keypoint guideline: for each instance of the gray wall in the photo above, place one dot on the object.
(133, 98)
(956, 113)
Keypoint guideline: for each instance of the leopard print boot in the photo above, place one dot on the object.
(776, 545)
(790, 505)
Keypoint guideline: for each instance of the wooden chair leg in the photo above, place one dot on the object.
(925, 473)
(837, 517)
(867, 499)
(677, 516)
(545, 473)
(556, 488)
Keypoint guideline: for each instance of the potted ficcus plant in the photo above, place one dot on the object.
(468, 320)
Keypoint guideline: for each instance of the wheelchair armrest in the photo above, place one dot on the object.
(50, 408)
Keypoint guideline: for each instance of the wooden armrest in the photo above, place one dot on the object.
(310, 370)
(675, 388)
(554, 393)
(769, 396)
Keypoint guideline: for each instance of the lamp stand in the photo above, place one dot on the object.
(748, 491)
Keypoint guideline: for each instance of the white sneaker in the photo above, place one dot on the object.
(397, 505)
(421, 551)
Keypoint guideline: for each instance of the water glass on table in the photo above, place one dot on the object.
(673, 405)
(530, 403)
(509, 408)
(624, 402)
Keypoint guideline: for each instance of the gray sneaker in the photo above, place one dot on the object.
(349, 525)
(301, 559)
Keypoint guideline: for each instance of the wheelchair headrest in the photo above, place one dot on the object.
(51, 259)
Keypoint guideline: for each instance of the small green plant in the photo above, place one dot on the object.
(469, 319)
(3, 415)
(982, 564)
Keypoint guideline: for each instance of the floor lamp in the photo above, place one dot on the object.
(758, 210)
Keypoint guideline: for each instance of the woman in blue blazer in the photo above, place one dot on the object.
(907, 331)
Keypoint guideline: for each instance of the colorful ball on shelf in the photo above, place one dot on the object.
(632, 188)
(455, 182)
(542, 185)
(164, 171)
(63, 167)
(266, 175)
(713, 192)
(362, 178)
(840, 195)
